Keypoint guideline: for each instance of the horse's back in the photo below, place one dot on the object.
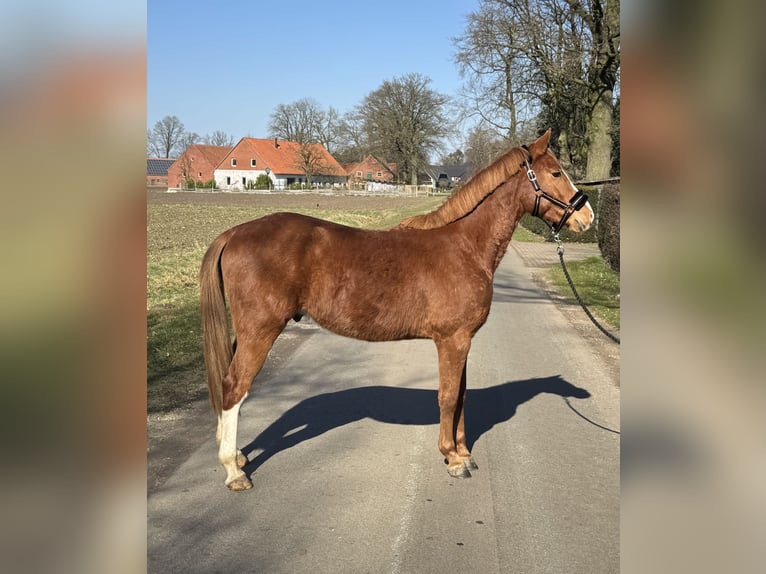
(367, 284)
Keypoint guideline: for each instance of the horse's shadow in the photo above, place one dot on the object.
(484, 408)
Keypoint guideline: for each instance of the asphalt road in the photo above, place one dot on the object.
(347, 477)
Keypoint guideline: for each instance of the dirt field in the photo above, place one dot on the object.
(294, 200)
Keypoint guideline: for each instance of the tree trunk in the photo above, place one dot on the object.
(600, 139)
(564, 154)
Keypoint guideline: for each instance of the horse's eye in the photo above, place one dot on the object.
(556, 173)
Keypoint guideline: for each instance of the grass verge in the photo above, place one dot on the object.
(597, 284)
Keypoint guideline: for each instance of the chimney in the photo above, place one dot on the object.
(276, 145)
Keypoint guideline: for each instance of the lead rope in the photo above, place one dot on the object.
(560, 250)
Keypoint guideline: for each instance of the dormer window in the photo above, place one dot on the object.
(233, 162)
(252, 162)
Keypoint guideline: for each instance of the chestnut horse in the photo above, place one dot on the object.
(429, 277)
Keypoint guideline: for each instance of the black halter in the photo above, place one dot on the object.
(575, 204)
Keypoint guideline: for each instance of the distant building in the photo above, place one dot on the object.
(157, 171)
(198, 163)
(371, 169)
(447, 176)
(285, 163)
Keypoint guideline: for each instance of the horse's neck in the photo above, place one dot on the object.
(493, 222)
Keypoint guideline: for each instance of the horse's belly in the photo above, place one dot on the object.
(368, 324)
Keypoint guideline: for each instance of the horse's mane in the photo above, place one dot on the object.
(472, 193)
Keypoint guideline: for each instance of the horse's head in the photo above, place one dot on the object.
(556, 199)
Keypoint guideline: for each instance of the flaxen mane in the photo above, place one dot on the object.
(472, 193)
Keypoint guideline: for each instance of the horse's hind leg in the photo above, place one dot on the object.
(248, 359)
(241, 458)
(227, 449)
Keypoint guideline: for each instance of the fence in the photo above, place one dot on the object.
(362, 189)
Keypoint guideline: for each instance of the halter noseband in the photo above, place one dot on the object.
(575, 203)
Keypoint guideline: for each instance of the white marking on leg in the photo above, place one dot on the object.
(227, 450)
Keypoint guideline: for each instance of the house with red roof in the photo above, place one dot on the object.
(371, 169)
(285, 163)
(197, 162)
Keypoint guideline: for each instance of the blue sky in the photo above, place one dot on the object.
(227, 65)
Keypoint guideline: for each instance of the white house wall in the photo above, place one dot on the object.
(236, 176)
(278, 181)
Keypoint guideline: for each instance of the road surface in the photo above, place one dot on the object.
(347, 476)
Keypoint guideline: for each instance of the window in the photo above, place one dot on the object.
(228, 181)
(233, 162)
(252, 162)
(199, 174)
(358, 174)
(379, 174)
(243, 181)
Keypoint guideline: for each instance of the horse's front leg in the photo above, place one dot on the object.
(460, 439)
(453, 353)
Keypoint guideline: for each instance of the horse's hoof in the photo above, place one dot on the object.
(240, 483)
(459, 471)
(241, 460)
(470, 463)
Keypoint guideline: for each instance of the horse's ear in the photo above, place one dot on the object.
(538, 147)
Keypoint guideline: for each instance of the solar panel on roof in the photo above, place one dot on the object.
(158, 166)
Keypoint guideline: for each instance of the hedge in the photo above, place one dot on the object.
(609, 226)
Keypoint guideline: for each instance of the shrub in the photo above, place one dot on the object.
(263, 182)
(609, 226)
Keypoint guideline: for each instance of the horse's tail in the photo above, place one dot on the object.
(218, 350)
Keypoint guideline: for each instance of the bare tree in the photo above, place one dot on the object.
(310, 161)
(405, 121)
(219, 138)
(305, 121)
(352, 142)
(297, 122)
(483, 145)
(327, 129)
(498, 84)
(557, 59)
(457, 157)
(166, 137)
(188, 138)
